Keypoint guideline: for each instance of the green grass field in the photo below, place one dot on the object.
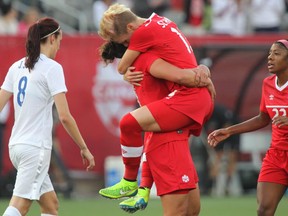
(242, 206)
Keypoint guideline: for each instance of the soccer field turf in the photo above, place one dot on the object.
(245, 205)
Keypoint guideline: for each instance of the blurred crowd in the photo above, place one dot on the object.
(230, 17)
(12, 22)
(194, 17)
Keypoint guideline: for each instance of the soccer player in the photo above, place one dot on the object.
(273, 177)
(161, 37)
(174, 190)
(36, 82)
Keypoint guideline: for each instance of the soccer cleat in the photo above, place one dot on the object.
(138, 202)
(122, 189)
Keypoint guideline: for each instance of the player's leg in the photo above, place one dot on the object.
(183, 202)
(131, 149)
(268, 197)
(272, 181)
(18, 206)
(194, 202)
(140, 200)
(131, 127)
(49, 203)
(32, 164)
(219, 178)
(161, 118)
(175, 178)
(234, 183)
(175, 204)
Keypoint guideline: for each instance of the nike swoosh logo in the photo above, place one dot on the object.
(124, 192)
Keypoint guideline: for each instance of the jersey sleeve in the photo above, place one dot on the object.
(56, 80)
(8, 81)
(144, 61)
(142, 39)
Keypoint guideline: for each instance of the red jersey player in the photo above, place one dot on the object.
(183, 107)
(178, 170)
(273, 177)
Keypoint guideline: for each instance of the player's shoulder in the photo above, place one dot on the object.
(48, 62)
(269, 79)
(17, 63)
(156, 20)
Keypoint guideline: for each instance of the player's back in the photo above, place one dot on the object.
(162, 37)
(151, 88)
(32, 95)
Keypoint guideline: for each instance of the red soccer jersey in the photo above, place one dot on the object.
(162, 37)
(151, 89)
(196, 103)
(274, 101)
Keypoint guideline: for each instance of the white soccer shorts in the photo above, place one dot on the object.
(32, 164)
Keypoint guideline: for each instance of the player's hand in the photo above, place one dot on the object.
(133, 77)
(280, 121)
(203, 76)
(217, 136)
(205, 70)
(212, 89)
(87, 158)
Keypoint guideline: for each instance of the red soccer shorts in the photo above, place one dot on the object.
(172, 167)
(274, 167)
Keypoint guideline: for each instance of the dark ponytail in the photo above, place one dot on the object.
(111, 50)
(38, 33)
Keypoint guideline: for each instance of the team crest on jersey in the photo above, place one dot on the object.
(185, 178)
(113, 97)
(271, 97)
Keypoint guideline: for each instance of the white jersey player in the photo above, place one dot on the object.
(35, 82)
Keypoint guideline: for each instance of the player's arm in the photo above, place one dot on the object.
(255, 123)
(127, 60)
(196, 77)
(71, 127)
(4, 98)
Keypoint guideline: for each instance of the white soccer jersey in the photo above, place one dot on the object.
(33, 99)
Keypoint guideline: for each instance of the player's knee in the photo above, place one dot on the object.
(193, 211)
(128, 123)
(175, 211)
(264, 210)
(51, 207)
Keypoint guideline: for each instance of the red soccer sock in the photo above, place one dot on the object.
(146, 176)
(131, 145)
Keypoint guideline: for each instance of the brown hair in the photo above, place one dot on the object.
(111, 50)
(38, 33)
(114, 21)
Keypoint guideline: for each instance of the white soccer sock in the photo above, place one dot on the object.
(11, 211)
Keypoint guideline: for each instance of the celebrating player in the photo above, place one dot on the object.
(167, 172)
(180, 109)
(273, 178)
